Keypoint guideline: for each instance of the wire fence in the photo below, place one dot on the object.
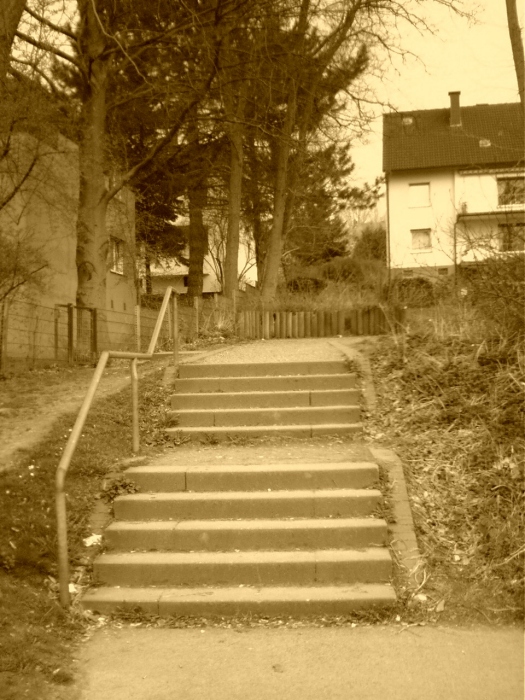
(34, 335)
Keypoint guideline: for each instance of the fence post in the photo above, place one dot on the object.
(308, 324)
(341, 322)
(266, 325)
(135, 404)
(320, 324)
(137, 327)
(3, 331)
(70, 349)
(94, 334)
(56, 316)
(175, 321)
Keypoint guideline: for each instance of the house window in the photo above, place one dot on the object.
(511, 190)
(117, 255)
(419, 195)
(421, 238)
(511, 237)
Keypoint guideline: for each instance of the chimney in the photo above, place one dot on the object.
(455, 112)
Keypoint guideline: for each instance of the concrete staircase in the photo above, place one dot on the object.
(301, 399)
(285, 538)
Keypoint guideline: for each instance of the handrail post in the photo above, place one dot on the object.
(60, 496)
(175, 318)
(135, 403)
(63, 557)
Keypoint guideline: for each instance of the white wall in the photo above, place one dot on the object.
(438, 216)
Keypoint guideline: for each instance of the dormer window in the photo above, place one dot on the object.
(511, 190)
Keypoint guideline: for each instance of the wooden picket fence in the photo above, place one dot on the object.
(268, 324)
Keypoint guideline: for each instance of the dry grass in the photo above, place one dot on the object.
(452, 405)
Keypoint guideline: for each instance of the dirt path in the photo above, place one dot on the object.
(32, 402)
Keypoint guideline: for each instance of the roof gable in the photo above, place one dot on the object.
(488, 135)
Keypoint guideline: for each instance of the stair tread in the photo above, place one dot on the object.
(262, 524)
(266, 409)
(252, 468)
(247, 495)
(267, 428)
(274, 369)
(379, 553)
(272, 393)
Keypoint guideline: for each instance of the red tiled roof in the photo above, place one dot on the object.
(488, 135)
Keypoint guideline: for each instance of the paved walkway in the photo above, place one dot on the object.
(307, 663)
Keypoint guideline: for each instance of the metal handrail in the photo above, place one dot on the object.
(65, 461)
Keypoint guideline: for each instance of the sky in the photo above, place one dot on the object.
(472, 57)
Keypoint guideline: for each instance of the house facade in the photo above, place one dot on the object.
(455, 181)
(39, 192)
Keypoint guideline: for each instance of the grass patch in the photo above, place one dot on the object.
(453, 410)
(36, 635)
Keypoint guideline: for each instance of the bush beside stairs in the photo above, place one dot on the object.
(292, 538)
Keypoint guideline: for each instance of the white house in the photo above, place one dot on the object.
(455, 182)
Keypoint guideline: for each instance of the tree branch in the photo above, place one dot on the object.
(37, 70)
(45, 46)
(18, 186)
(51, 25)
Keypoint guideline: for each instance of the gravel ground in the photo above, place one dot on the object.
(276, 350)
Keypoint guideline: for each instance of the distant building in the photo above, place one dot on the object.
(455, 183)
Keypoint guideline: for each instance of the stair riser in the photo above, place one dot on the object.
(278, 602)
(344, 478)
(265, 416)
(253, 540)
(262, 399)
(283, 573)
(219, 433)
(168, 509)
(265, 369)
(286, 383)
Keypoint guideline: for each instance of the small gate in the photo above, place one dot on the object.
(80, 342)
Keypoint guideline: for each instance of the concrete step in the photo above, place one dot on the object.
(311, 382)
(255, 477)
(263, 601)
(266, 568)
(228, 417)
(262, 369)
(337, 503)
(219, 433)
(265, 399)
(230, 535)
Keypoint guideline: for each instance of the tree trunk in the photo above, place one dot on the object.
(92, 238)
(10, 15)
(517, 47)
(234, 212)
(275, 241)
(198, 239)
